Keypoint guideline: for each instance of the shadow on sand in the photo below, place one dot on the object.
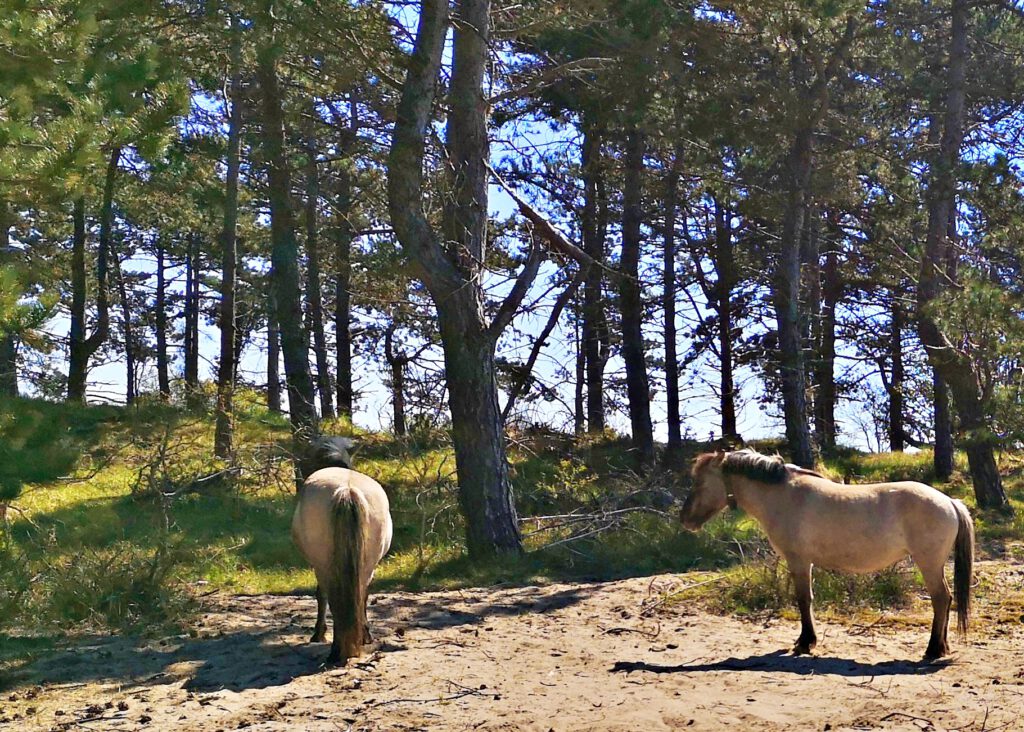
(786, 662)
(269, 649)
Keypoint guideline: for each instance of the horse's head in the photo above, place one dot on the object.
(708, 495)
(330, 452)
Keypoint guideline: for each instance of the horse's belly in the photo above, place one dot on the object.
(859, 558)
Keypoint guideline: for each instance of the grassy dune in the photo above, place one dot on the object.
(147, 521)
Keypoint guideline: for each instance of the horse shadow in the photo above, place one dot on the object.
(785, 662)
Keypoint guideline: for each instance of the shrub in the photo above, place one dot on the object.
(767, 586)
(122, 587)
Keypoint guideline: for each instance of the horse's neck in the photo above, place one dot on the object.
(758, 499)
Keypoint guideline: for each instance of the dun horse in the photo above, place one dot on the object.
(342, 526)
(812, 521)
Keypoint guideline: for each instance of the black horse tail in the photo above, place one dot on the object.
(963, 566)
(347, 595)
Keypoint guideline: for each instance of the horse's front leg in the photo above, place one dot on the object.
(320, 629)
(804, 597)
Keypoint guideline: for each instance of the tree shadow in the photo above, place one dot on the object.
(273, 651)
(785, 662)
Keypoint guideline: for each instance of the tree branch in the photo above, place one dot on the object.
(538, 344)
(405, 160)
(508, 307)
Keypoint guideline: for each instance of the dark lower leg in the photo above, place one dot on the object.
(367, 635)
(320, 629)
(808, 637)
(938, 645)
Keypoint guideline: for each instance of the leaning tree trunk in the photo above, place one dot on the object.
(163, 375)
(225, 428)
(631, 303)
(593, 301)
(668, 304)
(314, 296)
(952, 364)
(725, 265)
(452, 276)
(82, 347)
(787, 301)
(284, 272)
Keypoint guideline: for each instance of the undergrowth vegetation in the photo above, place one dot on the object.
(146, 522)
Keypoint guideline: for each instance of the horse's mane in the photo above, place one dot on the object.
(754, 465)
(331, 452)
(751, 464)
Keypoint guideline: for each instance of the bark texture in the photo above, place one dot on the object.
(451, 272)
(953, 365)
(227, 364)
(284, 273)
(81, 346)
(631, 303)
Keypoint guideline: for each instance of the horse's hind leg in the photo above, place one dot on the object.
(942, 599)
(320, 629)
(367, 635)
(804, 597)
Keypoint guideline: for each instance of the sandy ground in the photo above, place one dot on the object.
(557, 657)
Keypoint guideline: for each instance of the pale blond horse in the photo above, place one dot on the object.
(342, 526)
(812, 521)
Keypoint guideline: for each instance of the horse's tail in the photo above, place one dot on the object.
(963, 565)
(347, 595)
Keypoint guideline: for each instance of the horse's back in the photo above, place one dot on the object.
(866, 527)
(312, 524)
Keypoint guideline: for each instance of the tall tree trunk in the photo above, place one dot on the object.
(579, 405)
(284, 273)
(452, 275)
(825, 377)
(787, 301)
(943, 417)
(668, 304)
(8, 341)
(273, 356)
(192, 320)
(82, 347)
(896, 428)
(593, 300)
(343, 257)
(953, 365)
(229, 340)
(631, 302)
(130, 390)
(396, 364)
(725, 264)
(163, 372)
(314, 295)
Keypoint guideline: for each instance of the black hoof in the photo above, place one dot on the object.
(804, 647)
(334, 658)
(934, 653)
